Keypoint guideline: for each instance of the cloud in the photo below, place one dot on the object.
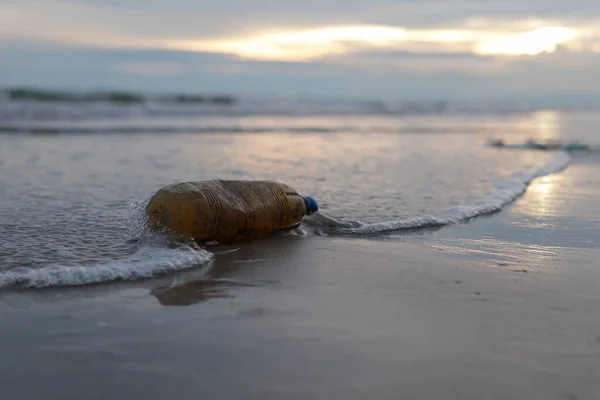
(307, 45)
(150, 68)
(421, 63)
(302, 33)
(256, 13)
(366, 49)
(368, 75)
(136, 22)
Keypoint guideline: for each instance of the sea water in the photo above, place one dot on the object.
(75, 174)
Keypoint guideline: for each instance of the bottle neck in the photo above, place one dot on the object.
(310, 204)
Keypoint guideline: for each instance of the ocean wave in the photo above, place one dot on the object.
(24, 103)
(179, 106)
(79, 130)
(506, 191)
(117, 97)
(200, 126)
(546, 145)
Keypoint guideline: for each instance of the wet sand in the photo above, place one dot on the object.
(314, 317)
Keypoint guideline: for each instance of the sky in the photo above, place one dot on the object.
(365, 49)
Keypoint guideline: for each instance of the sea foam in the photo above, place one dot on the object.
(153, 255)
(145, 263)
(506, 191)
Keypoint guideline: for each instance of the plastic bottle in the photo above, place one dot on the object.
(228, 210)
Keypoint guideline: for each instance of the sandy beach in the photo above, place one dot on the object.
(311, 317)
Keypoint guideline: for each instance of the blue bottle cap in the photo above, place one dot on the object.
(311, 205)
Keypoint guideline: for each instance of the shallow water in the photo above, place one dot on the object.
(66, 202)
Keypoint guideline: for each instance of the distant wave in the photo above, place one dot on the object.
(506, 192)
(118, 97)
(55, 130)
(33, 104)
(545, 145)
(50, 129)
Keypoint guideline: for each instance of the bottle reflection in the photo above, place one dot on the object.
(193, 292)
(256, 263)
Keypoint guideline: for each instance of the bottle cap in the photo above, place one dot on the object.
(311, 205)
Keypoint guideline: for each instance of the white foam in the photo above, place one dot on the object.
(154, 255)
(137, 223)
(506, 191)
(146, 262)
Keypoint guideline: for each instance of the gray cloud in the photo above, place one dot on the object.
(202, 18)
(393, 76)
(29, 53)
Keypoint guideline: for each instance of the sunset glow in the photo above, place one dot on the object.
(530, 43)
(306, 45)
(300, 45)
(384, 48)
